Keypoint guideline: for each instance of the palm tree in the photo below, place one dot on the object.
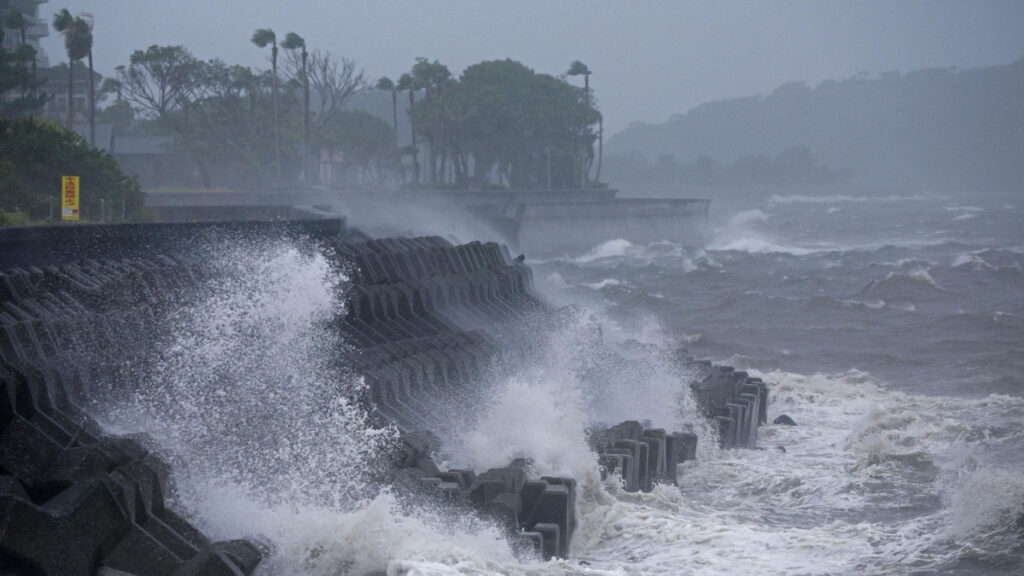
(92, 88)
(78, 44)
(293, 41)
(385, 83)
(578, 68)
(261, 38)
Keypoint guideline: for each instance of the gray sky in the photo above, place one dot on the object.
(651, 60)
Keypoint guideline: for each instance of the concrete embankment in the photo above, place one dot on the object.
(535, 222)
(426, 320)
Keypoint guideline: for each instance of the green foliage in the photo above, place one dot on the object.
(524, 127)
(361, 136)
(264, 37)
(160, 80)
(35, 154)
(405, 82)
(293, 41)
(578, 68)
(498, 121)
(76, 33)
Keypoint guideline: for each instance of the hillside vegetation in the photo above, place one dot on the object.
(941, 129)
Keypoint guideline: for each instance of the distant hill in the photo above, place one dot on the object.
(940, 129)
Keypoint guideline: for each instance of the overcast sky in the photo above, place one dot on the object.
(650, 60)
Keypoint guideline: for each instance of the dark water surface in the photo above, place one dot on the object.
(893, 328)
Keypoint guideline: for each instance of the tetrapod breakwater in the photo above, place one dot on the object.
(425, 320)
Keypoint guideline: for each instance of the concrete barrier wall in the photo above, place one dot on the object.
(74, 499)
(557, 228)
(42, 246)
(541, 222)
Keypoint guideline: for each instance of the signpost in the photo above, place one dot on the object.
(69, 198)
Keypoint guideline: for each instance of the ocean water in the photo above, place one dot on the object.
(890, 328)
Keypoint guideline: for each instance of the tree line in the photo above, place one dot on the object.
(497, 124)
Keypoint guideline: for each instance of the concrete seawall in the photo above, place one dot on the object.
(427, 321)
(537, 222)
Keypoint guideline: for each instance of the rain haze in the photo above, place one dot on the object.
(560, 288)
(651, 60)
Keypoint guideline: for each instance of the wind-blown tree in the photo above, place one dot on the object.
(434, 78)
(332, 81)
(293, 41)
(92, 85)
(499, 118)
(578, 68)
(161, 80)
(222, 129)
(209, 105)
(520, 122)
(385, 83)
(262, 38)
(77, 44)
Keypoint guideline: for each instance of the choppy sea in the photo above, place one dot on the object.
(890, 328)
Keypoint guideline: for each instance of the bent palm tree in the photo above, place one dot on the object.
(261, 38)
(92, 88)
(385, 83)
(293, 41)
(78, 44)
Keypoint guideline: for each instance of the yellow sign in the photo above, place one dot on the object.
(69, 198)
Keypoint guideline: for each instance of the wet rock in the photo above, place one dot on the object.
(784, 420)
(780, 449)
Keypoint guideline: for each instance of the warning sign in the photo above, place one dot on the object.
(69, 198)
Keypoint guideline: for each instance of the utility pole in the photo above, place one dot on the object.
(548, 151)
(586, 96)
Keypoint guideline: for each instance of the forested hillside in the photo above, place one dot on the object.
(941, 129)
